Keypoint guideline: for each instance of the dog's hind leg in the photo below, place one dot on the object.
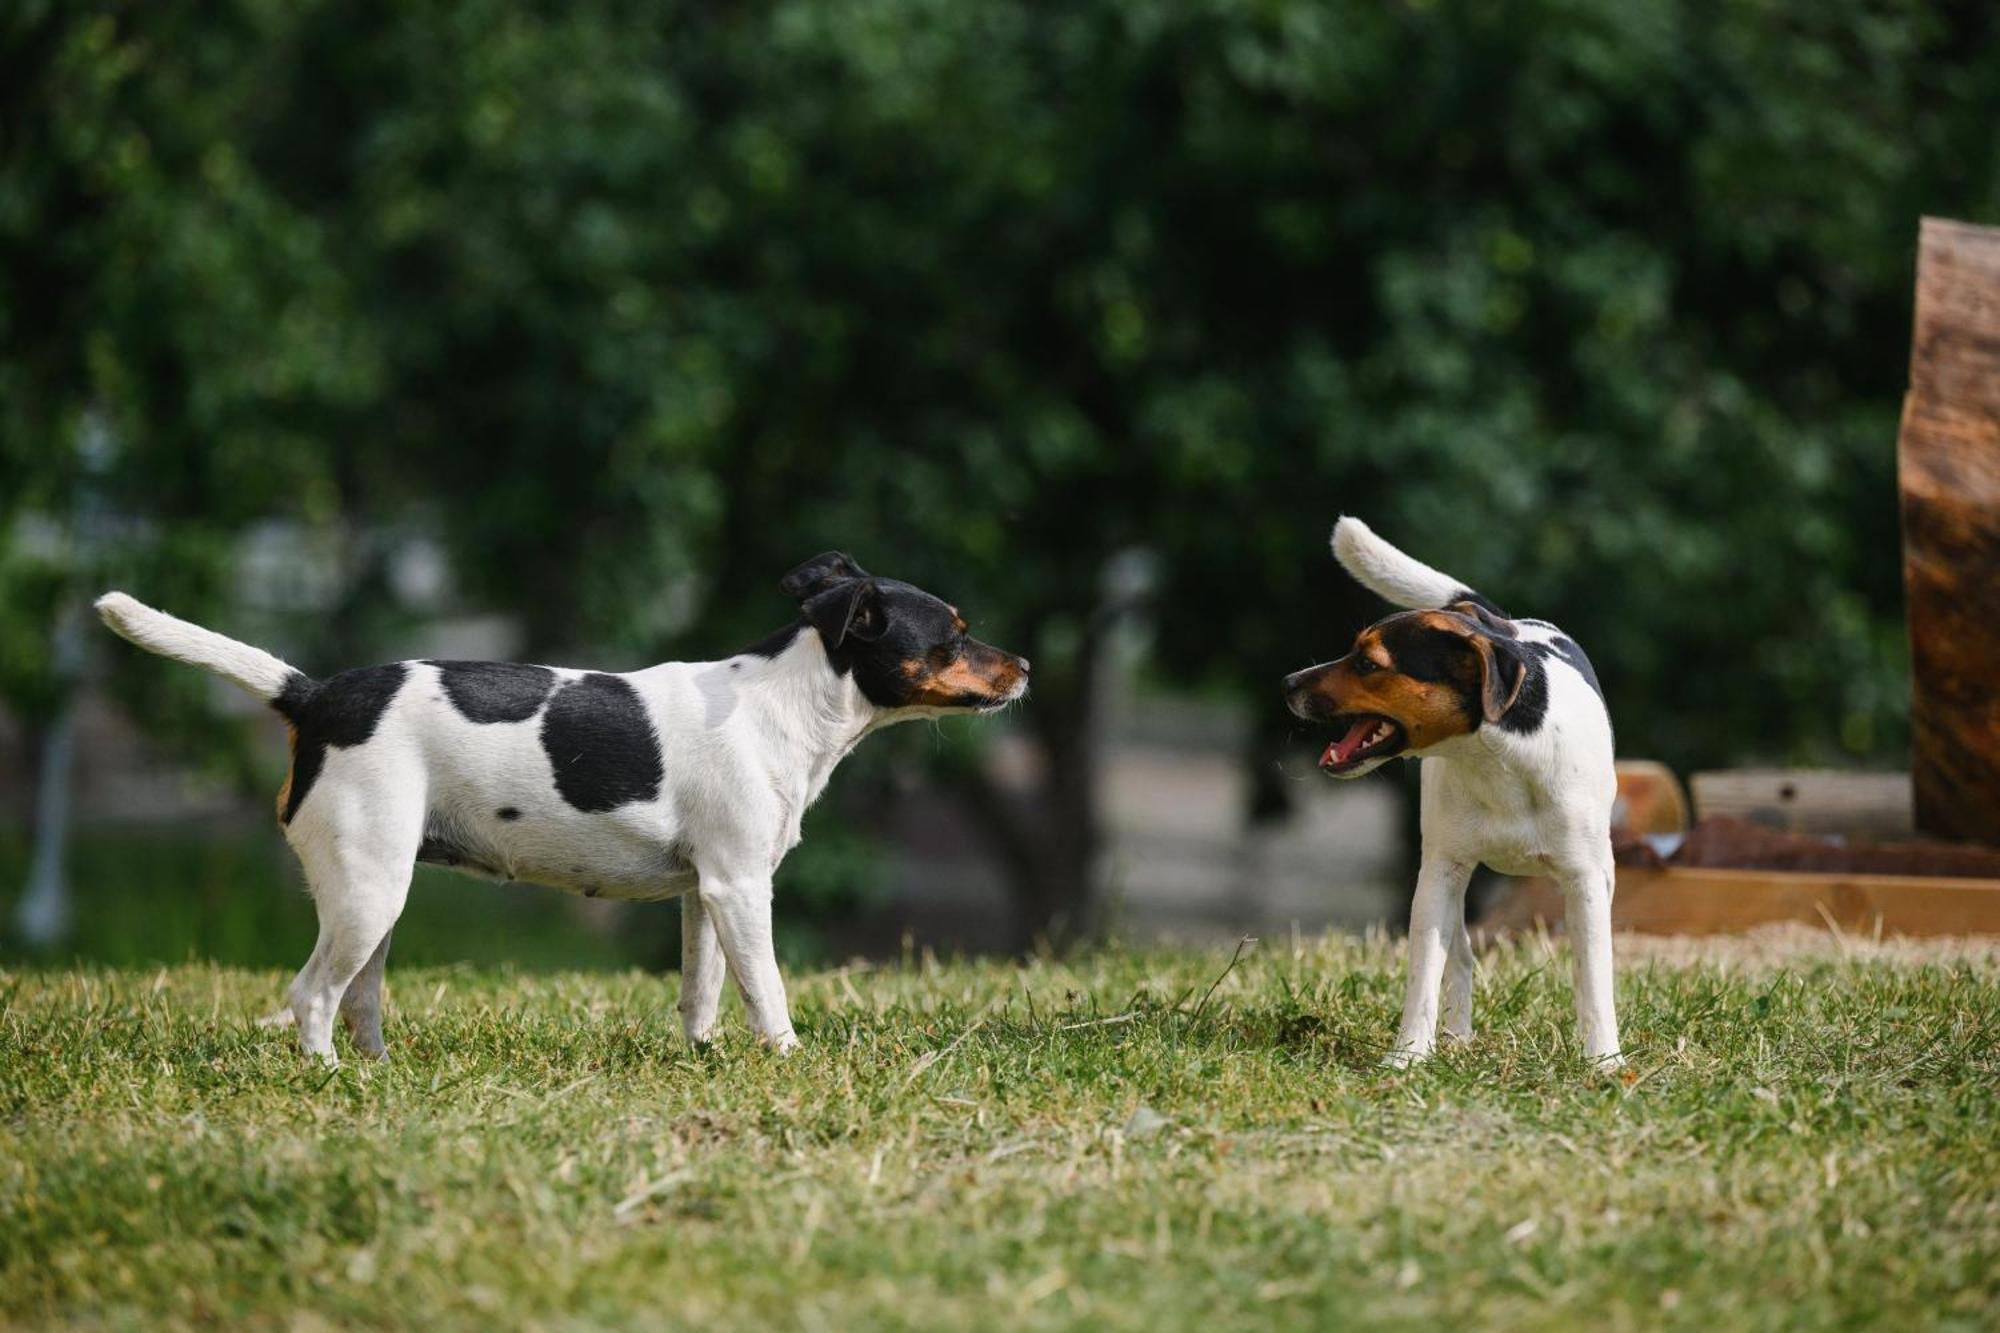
(703, 968)
(287, 1016)
(359, 849)
(1438, 907)
(1458, 976)
(361, 1007)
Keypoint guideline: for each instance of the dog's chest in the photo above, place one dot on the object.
(1508, 824)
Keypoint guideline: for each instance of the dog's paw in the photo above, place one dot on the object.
(783, 1043)
(1403, 1057)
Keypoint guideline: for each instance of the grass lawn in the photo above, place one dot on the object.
(1809, 1137)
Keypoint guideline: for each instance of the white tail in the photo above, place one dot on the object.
(157, 632)
(1387, 572)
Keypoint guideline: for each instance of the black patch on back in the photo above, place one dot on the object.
(495, 691)
(1532, 707)
(1570, 651)
(601, 744)
(340, 712)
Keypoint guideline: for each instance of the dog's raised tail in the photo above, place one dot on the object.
(1388, 573)
(252, 669)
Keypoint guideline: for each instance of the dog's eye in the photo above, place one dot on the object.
(1365, 666)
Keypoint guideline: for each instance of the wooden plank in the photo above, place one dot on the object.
(1721, 902)
(1948, 454)
(1808, 800)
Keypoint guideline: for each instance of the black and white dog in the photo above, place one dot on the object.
(1510, 721)
(685, 779)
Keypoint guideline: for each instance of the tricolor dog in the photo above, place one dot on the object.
(686, 779)
(1510, 721)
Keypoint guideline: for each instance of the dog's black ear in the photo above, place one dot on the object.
(848, 610)
(818, 574)
(1503, 671)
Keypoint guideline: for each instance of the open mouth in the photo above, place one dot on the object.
(1363, 736)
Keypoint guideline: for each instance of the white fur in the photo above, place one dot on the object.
(1525, 804)
(1387, 572)
(748, 744)
(157, 632)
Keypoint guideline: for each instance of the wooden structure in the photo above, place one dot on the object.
(1949, 461)
(1808, 800)
(1677, 901)
(1948, 452)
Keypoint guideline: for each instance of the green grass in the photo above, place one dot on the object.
(1805, 1140)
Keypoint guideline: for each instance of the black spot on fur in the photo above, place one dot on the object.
(601, 744)
(495, 691)
(506, 814)
(1570, 651)
(340, 712)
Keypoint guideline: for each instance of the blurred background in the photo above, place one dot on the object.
(559, 331)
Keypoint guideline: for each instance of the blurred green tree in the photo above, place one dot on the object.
(1603, 307)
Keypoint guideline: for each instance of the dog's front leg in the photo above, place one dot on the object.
(1587, 915)
(738, 906)
(702, 970)
(1436, 910)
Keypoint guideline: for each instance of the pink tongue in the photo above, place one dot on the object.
(1343, 749)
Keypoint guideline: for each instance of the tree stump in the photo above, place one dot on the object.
(1948, 454)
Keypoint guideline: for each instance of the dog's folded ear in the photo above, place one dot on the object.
(1490, 618)
(851, 609)
(1503, 672)
(1503, 666)
(818, 574)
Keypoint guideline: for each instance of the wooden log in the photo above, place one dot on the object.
(1808, 800)
(1948, 454)
(1722, 902)
(1650, 799)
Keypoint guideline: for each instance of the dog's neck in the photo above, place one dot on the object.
(1496, 756)
(811, 715)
